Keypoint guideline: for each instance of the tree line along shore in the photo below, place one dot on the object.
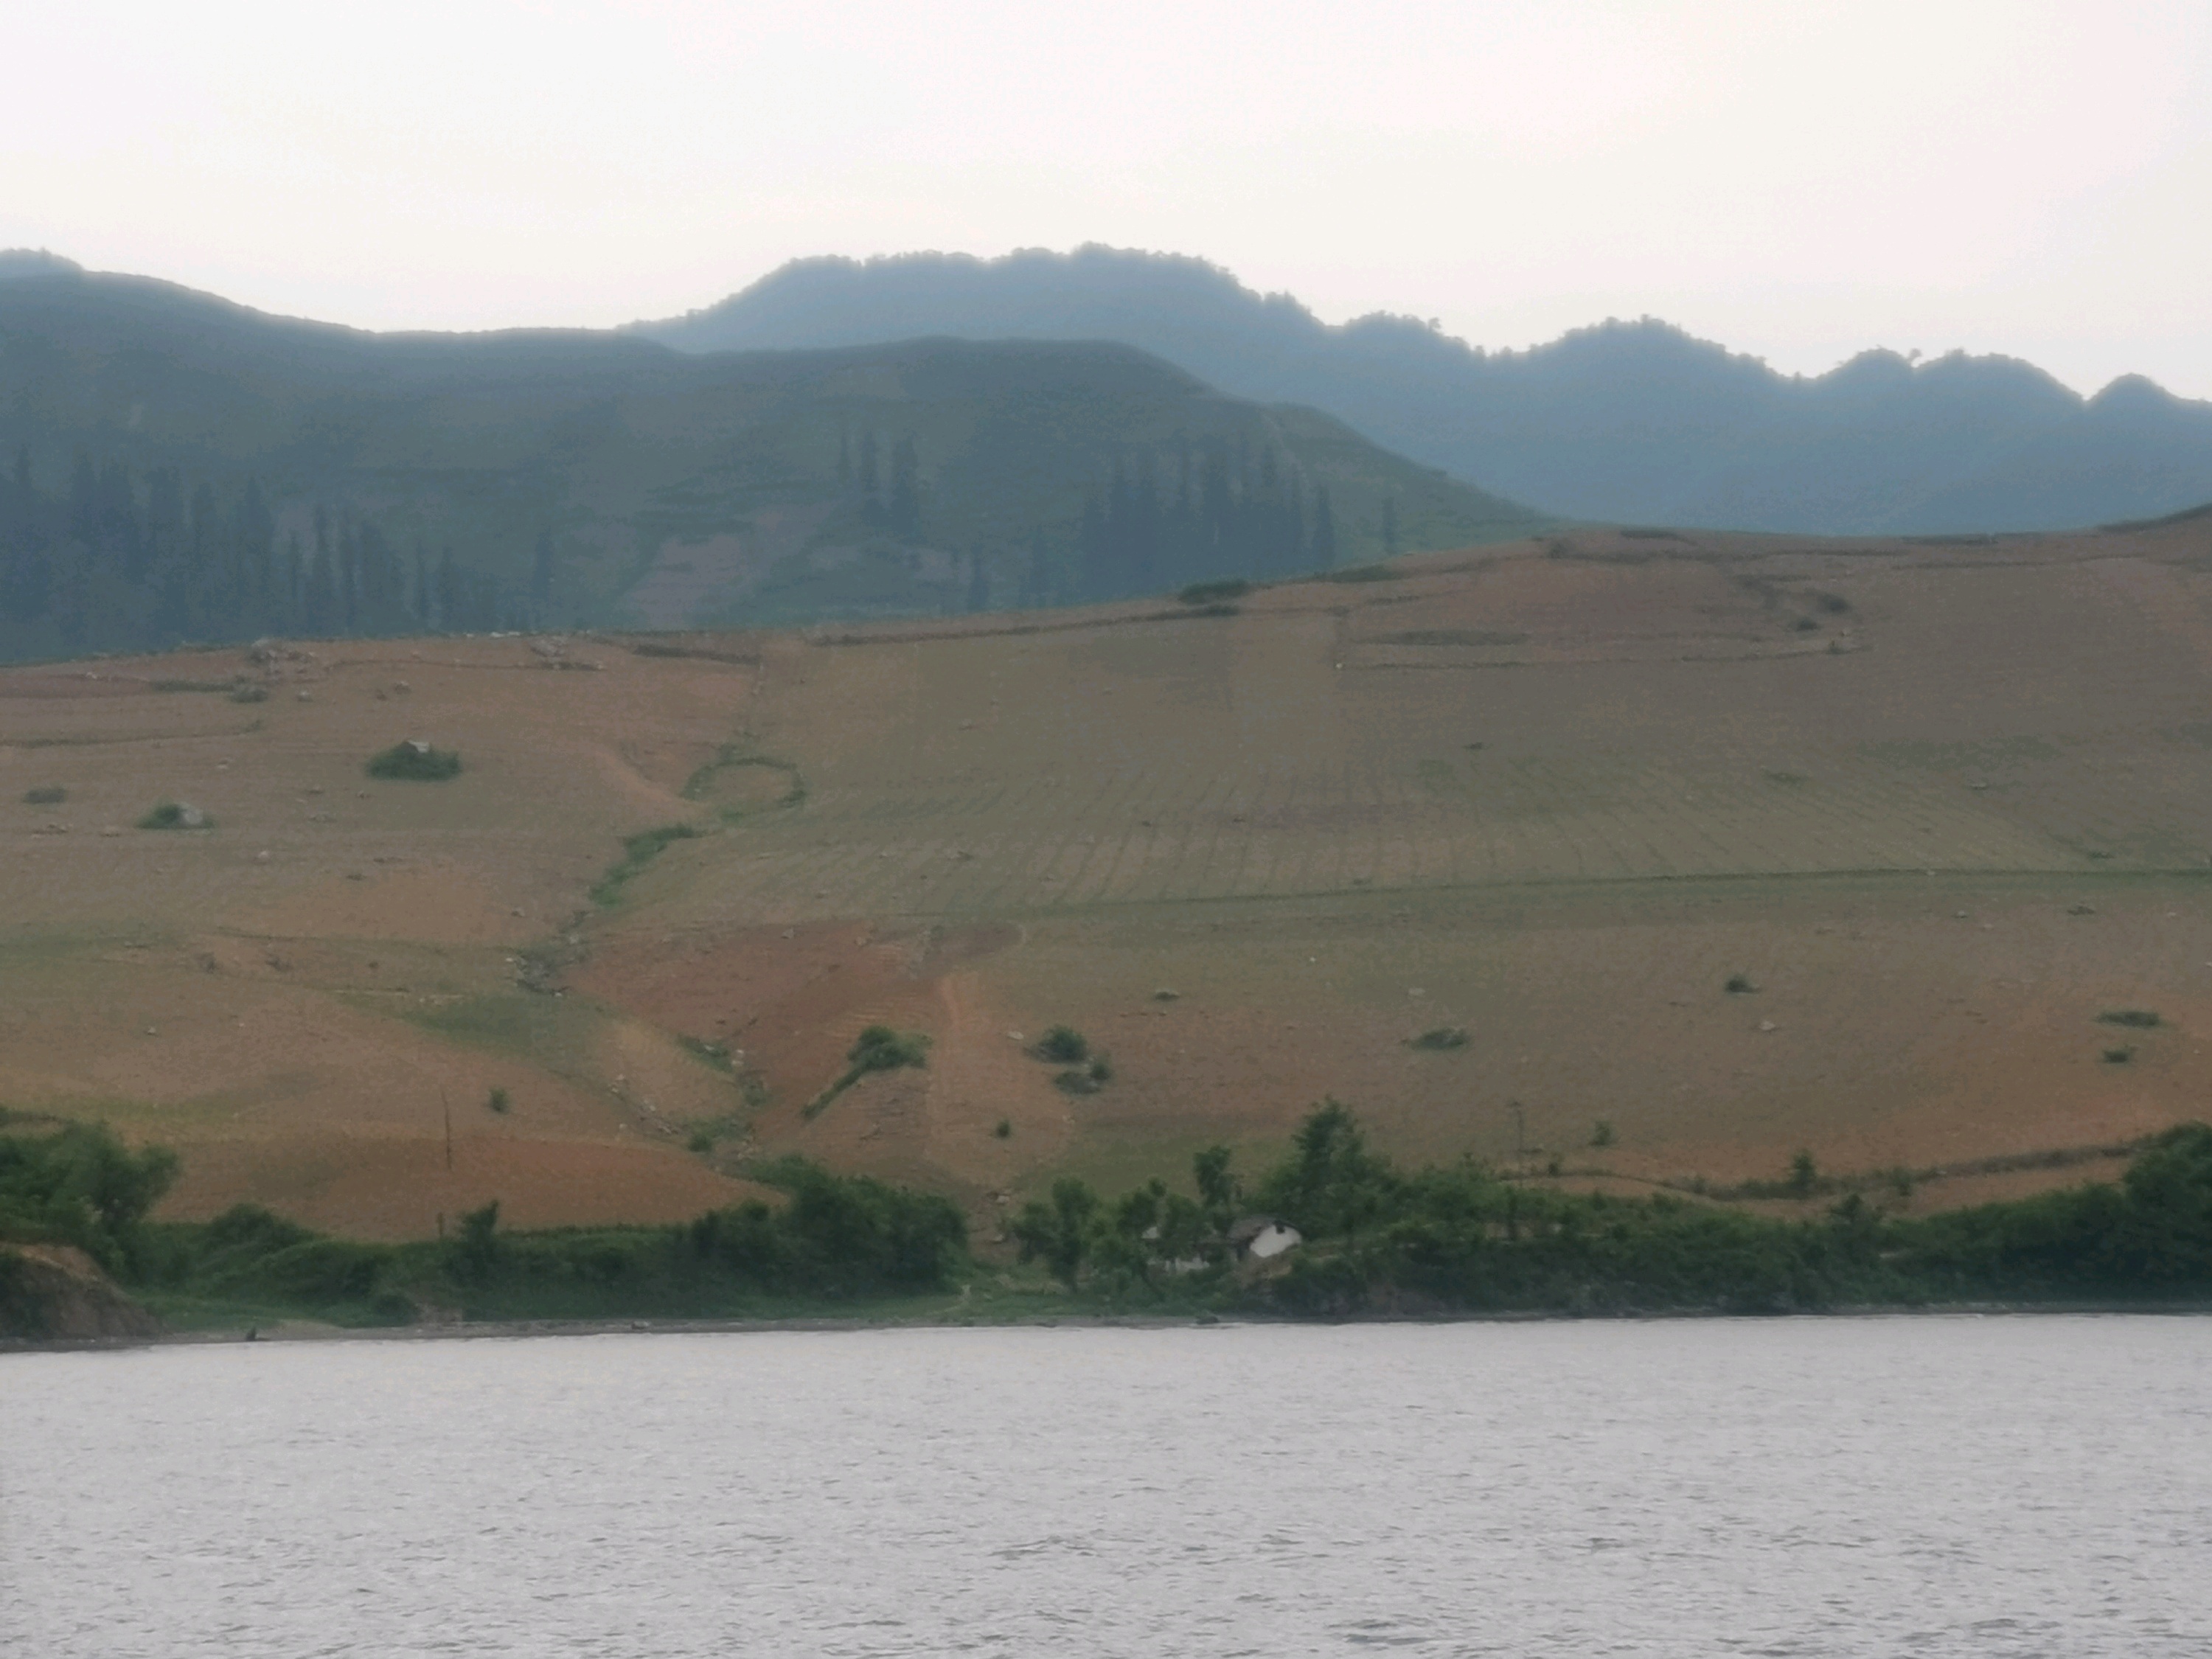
(1375, 1240)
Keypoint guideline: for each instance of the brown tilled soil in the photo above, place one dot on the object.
(1938, 806)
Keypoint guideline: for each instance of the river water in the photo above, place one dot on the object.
(1926, 1487)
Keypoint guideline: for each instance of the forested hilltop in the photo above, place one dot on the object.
(182, 469)
(1626, 421)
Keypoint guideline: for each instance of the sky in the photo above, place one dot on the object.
(1799, 181)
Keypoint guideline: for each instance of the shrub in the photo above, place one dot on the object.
(1063, 1045)
(1441, 1037)
(49, 794)
(1206, 592)
(416, 761)
(1602, 1134)
(175, 815)
(2143, 1019)
(496, 1100)
(1804, 1175)
(1739, 985)
(1003, 1129)
(638, 851)
(1076, 1080)
(2119, 1056)
(879, 1048)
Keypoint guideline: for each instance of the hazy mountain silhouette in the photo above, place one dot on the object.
(1628, 421)
(175, 466)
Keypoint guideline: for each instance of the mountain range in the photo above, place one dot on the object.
(1625, 422)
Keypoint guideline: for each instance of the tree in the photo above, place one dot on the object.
(1058, 1233)
(1804, 1175)
(1217, 1189)
(1324, 532)
(477, 1251)
(1331, 1183)
(904, 514)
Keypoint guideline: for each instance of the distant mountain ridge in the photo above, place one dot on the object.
(173, 466)
(1623, 422)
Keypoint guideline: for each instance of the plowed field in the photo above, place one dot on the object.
(1934, 807)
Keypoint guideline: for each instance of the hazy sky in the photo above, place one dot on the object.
(1799, 180)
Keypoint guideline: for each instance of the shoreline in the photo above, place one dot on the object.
(302, 1331)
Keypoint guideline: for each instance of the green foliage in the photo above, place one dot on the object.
(1209, 593)
(879, 1048)
(2118, 1056)
(840, 1235)
(1087, 1078)
(835, 1238)
(175, 815)
(79, 1185)
(1058, 1233)
(1602, 1133)
(1218, 1189)
(1062, 1045)
(1739, 985)
(1003, 1129)
(47, 795)
(497, 1101)
(1804, 1175)
(1440, 1037)
(639, 851)
(472, 1256)
(1465, 1237)
(415, 761)
(2142, 1019)
(1330, 1182)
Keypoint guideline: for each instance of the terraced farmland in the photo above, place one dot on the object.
(1934, 806)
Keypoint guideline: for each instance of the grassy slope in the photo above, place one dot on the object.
(1940, 831)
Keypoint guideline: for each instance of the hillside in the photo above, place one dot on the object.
(1935, 810)
(1625, 423)
(191, 470)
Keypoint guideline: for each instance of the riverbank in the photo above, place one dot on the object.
(311, 1331)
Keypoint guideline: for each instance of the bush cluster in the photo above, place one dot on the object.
(415, 761)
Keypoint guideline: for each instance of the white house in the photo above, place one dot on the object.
(1260, 1237)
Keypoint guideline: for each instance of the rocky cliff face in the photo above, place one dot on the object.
(52, 1293)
